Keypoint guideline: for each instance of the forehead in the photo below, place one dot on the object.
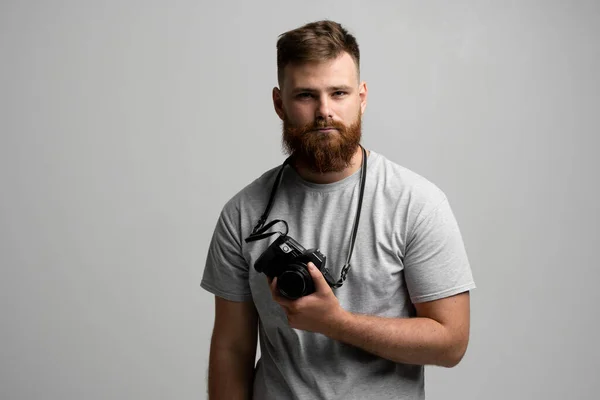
(337, 72)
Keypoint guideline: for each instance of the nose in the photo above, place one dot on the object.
(324, 108)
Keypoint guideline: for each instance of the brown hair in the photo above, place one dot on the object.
(315, 41)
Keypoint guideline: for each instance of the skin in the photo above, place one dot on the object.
(232, 350)
(438, 335)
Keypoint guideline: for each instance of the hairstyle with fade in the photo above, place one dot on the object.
(316, 41)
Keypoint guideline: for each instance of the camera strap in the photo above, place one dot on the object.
(259, 234)
(363, 177)
(263, 218)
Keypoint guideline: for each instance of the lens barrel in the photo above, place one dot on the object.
(295, 282)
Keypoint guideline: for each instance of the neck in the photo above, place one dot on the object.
(308, 174)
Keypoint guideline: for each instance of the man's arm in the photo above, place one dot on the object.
(437, 336)
(232, 350)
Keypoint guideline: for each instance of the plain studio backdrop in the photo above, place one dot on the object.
(126, 125)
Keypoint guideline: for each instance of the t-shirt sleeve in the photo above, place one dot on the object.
(436, 263)
(226, 271)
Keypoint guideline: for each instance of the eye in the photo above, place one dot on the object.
(339, 93)
(304, 95)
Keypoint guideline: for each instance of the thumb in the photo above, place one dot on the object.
(318, 278)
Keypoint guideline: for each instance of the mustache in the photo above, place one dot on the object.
(322, 123)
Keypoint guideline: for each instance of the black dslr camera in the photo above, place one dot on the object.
(286, 260)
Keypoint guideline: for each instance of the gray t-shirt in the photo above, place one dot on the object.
(408, 250)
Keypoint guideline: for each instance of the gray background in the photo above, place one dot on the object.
(125, 126)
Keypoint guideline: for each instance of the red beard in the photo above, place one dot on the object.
(322, 151)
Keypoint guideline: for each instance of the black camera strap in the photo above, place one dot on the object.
(259, 229)
(363, 177)
(259, 234)
(263, 218)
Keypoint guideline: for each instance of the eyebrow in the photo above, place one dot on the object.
(345, 88)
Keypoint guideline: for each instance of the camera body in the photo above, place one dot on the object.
(287, 260)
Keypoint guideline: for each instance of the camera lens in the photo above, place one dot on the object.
(291, 284)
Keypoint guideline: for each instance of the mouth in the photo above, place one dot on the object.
(326, 129)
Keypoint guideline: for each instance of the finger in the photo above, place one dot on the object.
(273, 288)
(284, 302)
(318, 279)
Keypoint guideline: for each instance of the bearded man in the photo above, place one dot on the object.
(368, 280)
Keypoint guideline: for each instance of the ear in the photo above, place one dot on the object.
(278, 103)
(363, 92)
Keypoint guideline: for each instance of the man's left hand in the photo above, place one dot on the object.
(317, 312)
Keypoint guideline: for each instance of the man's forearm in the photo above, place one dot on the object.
(230, 375)
(421, 341)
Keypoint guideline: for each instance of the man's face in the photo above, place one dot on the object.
(321, 106)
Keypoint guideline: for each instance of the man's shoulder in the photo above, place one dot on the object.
(255, 191)
(400, 179)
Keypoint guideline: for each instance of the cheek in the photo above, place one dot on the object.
(349, 114)
(299, 115)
